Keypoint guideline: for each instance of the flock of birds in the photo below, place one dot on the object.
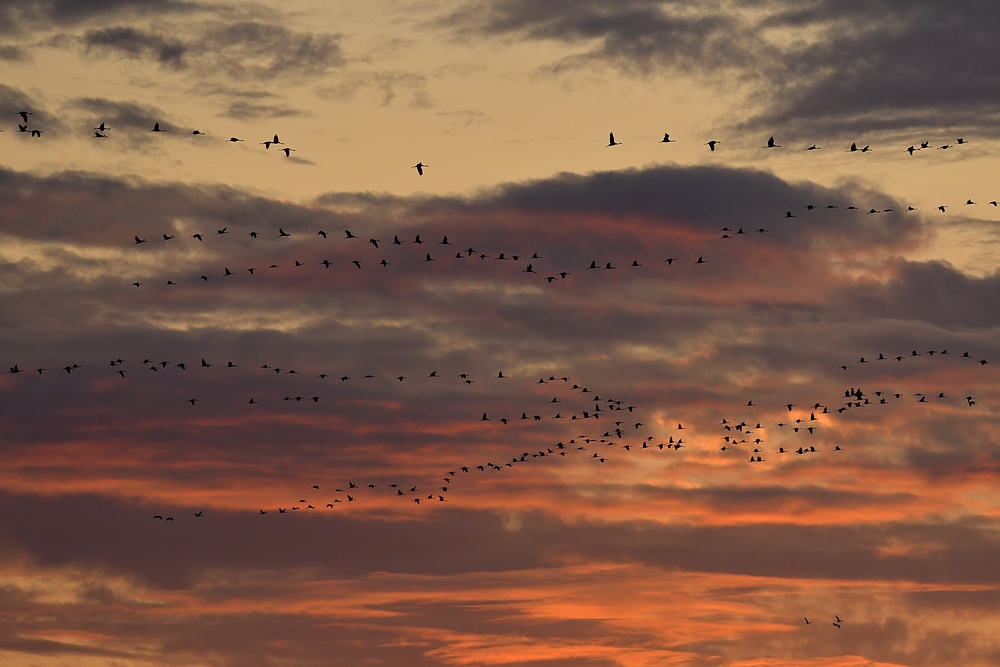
(625, 430)
(470, 253)
(856, 398)
(771, 144)
(101, 132)
(621, 434)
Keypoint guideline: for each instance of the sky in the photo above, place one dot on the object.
(550, 403)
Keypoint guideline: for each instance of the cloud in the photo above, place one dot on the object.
(937, 293)
(387, 84)
(129, 120)
(250, 49)
(732, 554)
(14, 54)
(248, 106)
(19, 17)
(133, 43)
(842, 69)
(635, 35)
(241, 50)
(15, 100)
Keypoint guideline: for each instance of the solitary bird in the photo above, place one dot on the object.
(666, 139)
(419, 167)
(156, 128)
(771, 144)
(612, 141)
(712, 144)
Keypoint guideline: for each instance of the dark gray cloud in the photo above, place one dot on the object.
(637, 35)
(134, 43)
(937, 293)
(262, 51)
(20, 17)
(241, 50)
(832, 67)
(14, 100)
(129, 120)
(14, 54)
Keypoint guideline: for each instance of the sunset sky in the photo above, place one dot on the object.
(229, 374)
